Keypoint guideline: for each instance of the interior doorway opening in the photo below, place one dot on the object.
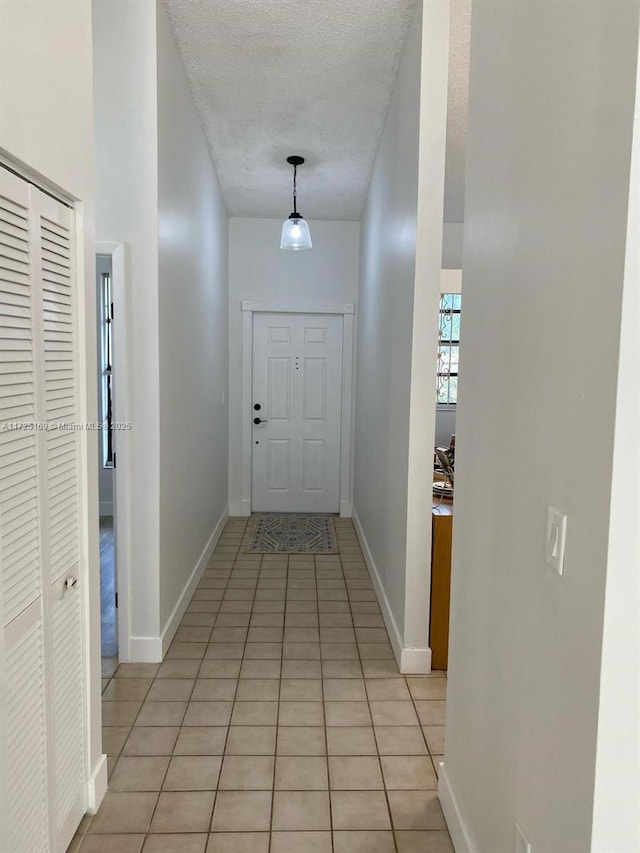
(113, 452)
(106, 457)
(442, 513)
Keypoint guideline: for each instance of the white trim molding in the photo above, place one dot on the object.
(153, 649)
(173, 621)
(410, 661)
(458, 830)
(145, 649)
(97, 785)
(415, 661)
(248, 309)
(297, 308)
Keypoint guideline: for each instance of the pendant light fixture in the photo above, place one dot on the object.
(295, 231)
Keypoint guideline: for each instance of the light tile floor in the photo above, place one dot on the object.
(278, 722)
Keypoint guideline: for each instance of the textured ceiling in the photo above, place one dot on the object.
(312, 77)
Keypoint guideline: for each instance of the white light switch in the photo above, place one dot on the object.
(556, 539)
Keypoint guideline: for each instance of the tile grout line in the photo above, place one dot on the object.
(375, 739)
(181, 726)
(277, 738)
(233, 701)
(324, 706)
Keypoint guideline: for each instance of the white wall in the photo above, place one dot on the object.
(158, 192)
(397, 335)
(58, 144)
(125, 87)
(616, 811)
(193, 252)
(260, 271)
(452, 240)
(551, 108)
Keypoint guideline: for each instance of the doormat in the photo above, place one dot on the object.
(290, 534)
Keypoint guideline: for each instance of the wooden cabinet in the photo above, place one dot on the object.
(441, 538)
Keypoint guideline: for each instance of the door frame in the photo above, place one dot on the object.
(121, 413)
(347, 311)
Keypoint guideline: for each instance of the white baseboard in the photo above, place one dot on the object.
(345, 509)
(190, 587)
(106, 508)
(145, 650)
(153, 649)
(410, 661)
(97, 786)
(387, 615)
(239, 509)
(458, 830)
(415, 661)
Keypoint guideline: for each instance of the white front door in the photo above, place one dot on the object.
(297, 394)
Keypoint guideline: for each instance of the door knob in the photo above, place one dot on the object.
(70, 582)
(259, 421)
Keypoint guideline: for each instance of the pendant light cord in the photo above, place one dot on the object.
(295, 189)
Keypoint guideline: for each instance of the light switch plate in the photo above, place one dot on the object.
(521, 844)
(556, 536)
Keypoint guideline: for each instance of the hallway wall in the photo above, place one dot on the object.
(158, 193)
(452, 244)
(127, 211)
(397, 337)
(260, 271)
(193, 314)
(550, 130)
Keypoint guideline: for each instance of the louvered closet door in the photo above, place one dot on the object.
(25, 737)
(41, 654)
(58, 387)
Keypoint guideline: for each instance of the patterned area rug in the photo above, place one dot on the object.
(291, 534)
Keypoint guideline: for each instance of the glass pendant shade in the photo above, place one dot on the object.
(295, 234)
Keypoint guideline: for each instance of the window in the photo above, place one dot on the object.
(107, 386)
(448, 349)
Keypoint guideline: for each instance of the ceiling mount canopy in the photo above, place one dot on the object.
(295, 231)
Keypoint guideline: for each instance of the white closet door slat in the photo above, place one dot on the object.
(26, 738)
(20, 556)
(68, 701)
(42, 651)
(61, 442)
(56, 252)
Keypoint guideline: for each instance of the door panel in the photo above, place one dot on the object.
(68, 711)
(25, 734)
(313, 465)
(297, 381)
(279, 478)
(279, 395)
(22, 671)
(42, 662)
(61, 513)
(315, 389)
